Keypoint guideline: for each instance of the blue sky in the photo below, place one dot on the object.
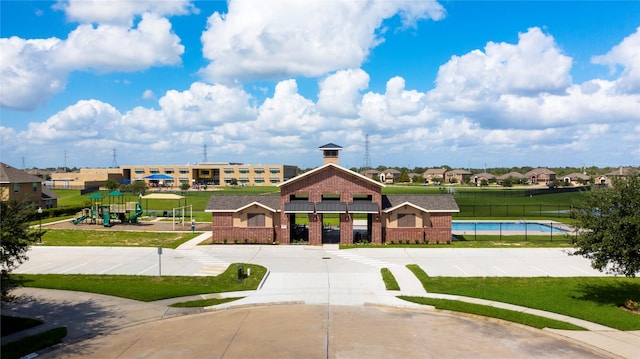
(462, 83)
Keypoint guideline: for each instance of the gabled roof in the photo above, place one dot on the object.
(485, 175)
(325, 166)
(10, 174)
(576, 175)
(539, 171)
(511, 174)
(234, 203)
(427, 203)
(435, 171)
(459, 172)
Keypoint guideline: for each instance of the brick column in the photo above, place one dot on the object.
(346, 228)
(315, 229)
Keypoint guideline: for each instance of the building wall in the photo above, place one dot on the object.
(233, 227)
(219, 174)
(329, 181)
(25, 192)
(439, 231)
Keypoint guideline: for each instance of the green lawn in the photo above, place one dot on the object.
(147, 288)
(595, 299)
(493, 312)
(110, 238)
(389, 280)
(204, 302)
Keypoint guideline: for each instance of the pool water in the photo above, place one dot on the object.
(505, 226)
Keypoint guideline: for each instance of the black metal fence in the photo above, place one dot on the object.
(514, 210)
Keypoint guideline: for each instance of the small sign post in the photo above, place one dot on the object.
(160, 261)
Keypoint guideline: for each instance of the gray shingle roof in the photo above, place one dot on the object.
(226, 203)
(430, 203)
(10, 174)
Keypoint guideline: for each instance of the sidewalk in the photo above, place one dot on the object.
(316, 277)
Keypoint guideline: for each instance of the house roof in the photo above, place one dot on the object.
(459, 172)
(321, 168)
(392, 171)
(330, 146)
(10, 174)
(233, 203)
(435, 171)
(485, 175)
(511, 174)
(48, 194)
(427, 203)
(539, 171)
(574, 176)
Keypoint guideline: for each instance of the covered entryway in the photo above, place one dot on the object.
(299, 211)
(332, 212)
(362, 212)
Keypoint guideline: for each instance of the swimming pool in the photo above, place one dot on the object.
(458, 226)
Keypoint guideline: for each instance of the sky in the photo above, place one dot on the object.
(97, 83)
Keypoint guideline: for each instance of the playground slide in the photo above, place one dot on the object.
(134, 217)
(79, 220)
(105, 220)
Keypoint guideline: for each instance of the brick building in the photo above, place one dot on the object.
(331, 204)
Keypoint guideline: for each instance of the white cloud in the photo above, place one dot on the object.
(148, 94)
(340, 92)
(310, 38)
(85, 119)
(34, 70)
(526, 86)
(288, 111)
(117, 48)
(627, 55)
(120, 12)
(28, 77)
(533, 66)
(204, 106)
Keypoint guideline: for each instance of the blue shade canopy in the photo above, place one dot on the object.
(159, 176)
(96, 196)
(116, 193)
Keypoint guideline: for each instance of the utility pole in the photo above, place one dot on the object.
(204, 150)
(367, 159)
(114, 163)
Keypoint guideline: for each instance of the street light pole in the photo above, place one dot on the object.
(40, 223)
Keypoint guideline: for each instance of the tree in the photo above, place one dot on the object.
(15, 237)
(184, 186)
(111, 184)
(609, 220)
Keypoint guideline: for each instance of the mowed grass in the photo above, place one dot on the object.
(389, 280)
(595, 299)
(493, 312)
(111, 238)
(148, 288)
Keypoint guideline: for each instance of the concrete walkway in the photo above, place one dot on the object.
(327, 281)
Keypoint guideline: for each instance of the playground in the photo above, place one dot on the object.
(115, 208)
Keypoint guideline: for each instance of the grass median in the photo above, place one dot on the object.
(110, 238)
(148, 288)
(594, 299)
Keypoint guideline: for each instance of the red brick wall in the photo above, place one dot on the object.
(439, 232)
(238, 235)
(331, 181)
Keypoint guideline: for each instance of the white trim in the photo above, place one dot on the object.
(348, 171)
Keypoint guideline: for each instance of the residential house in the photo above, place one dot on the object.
(22, 187)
